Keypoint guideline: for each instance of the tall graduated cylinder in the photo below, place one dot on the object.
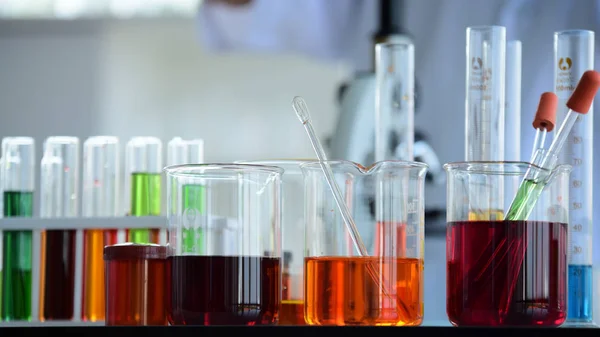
(506, 272)
(385, 287)
(230, 272)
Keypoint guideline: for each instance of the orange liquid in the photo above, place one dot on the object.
(340, 291)
(292, 312)
(93, 299)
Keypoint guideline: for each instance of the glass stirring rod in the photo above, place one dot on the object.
(544, 120)
(579, 104)
(303, 115)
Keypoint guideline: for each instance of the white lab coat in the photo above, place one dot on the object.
(342, 30)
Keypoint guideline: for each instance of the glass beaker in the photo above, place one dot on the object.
(501, 272)
(387, 204)
(292, 225)
(230, 272)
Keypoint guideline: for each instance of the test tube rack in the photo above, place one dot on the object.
(38, 225)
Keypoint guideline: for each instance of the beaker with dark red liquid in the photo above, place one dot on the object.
(224, 264)
(135, 284)
(505, 272)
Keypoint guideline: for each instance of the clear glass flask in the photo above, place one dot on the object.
(386, 287)
(59, 198)
(143, 184)
(292, 225)
(18, 173)
(232, 274)
(573, 55)
(100, 198)
(505, 273)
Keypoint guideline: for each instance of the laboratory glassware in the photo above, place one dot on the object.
(292, 225)
(136, 284)
(18, 172)
(100, 198)
(394, 99)
(573, 55)
(180, 152)
(485, 78)
(59, 198)
(143, 184)
(579, 103)
(512, 121)
(506, 272)
(234, 276)
(339, 288)
(545, 118)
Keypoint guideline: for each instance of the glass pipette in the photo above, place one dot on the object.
(544, 120)
(301, 110)
(534, 181)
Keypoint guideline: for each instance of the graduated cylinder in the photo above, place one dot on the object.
(387, 204)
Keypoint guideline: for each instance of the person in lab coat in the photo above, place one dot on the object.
(342, 30)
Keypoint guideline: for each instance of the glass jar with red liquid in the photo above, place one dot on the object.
(506, 272)
(224, 265)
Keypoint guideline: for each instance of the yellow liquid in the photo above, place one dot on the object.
(93, 308)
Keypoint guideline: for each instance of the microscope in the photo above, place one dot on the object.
(354, 136)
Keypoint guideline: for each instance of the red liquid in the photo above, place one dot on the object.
(223, 290)
(59, 275)
(506, 273)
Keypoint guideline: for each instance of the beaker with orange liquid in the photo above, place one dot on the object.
(384, 288)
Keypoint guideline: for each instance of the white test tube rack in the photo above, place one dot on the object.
(37, 225)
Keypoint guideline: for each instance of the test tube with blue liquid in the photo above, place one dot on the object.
(181, 152)
(573, 55)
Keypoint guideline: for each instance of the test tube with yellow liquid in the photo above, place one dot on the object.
(100, 198)
(143, 184)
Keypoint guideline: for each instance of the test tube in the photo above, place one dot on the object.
(394, 99)
(143, 183)
(486, 53)
(512, 121)
(18, 166)
(181, 152)
(100, 198)
(573, 55)
(59, 189)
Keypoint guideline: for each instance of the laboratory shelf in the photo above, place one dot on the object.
(124, 222)
(298, 331)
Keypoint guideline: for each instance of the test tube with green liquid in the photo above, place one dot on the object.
(193, 196)
(18, 170)
(143, 184)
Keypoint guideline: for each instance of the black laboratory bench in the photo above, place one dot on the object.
(289, 331)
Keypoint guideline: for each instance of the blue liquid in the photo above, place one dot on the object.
(579, 308)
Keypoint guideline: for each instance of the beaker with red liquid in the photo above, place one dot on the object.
(224, 265)
(385, 288)
(500, 272)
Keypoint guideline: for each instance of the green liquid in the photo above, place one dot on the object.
(145, 201)
(16, 261)
(194, 199)
(523, 204)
